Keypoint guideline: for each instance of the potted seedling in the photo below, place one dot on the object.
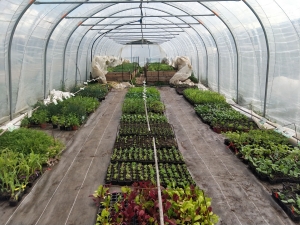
(61, 122)
(55, 121)
(40, 117)
(17, 193)
(74, 121)
(25, 122)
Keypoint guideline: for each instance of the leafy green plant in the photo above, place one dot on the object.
(187, 205)
(97, 90)
(156, 106)
(124, 67)
(25, 122)
(158, 67)
(39, 116)
(194, 79)
(197, 96)
(55, 120)
(72, 120)
(26, 141)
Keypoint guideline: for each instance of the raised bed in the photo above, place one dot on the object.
(159, 76)
(120, 76)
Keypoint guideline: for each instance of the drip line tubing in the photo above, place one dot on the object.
(161, 213)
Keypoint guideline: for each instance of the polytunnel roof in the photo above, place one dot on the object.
(231, 43)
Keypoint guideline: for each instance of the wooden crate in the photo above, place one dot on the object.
(162, 76)
(120, 76)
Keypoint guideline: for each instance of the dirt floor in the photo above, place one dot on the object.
(60, 196)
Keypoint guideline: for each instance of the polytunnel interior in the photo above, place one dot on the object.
(246, 51)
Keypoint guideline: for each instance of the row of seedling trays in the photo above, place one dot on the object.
(126, 173)
(170, 155)
(268, 154)
(134, 145)
(133, 167)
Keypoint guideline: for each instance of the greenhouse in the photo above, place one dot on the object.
(150, 112)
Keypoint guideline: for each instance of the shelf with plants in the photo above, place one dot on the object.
(269, 154)
(289, 199)
(136, 205)
(24, 154)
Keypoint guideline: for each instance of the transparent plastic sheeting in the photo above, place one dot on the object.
(228, 51)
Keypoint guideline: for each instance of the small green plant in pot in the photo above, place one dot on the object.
(61, 122)
(40, 117)
(25, 122)
(74, 121)
(55, 121)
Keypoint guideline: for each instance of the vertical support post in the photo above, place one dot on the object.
(9, 57)
(77, 56)
(268, 57)
(217, 53)
(237, 52)
(46, 48)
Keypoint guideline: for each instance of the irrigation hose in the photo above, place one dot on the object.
(161, 213)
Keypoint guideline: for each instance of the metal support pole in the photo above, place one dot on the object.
(13, 30)
(218, 56)
(117, 2)
(46, 49)
(77, 56)
(268, 56)
(237, 52)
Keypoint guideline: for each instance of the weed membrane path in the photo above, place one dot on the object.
(238, 197)
(61, 195)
